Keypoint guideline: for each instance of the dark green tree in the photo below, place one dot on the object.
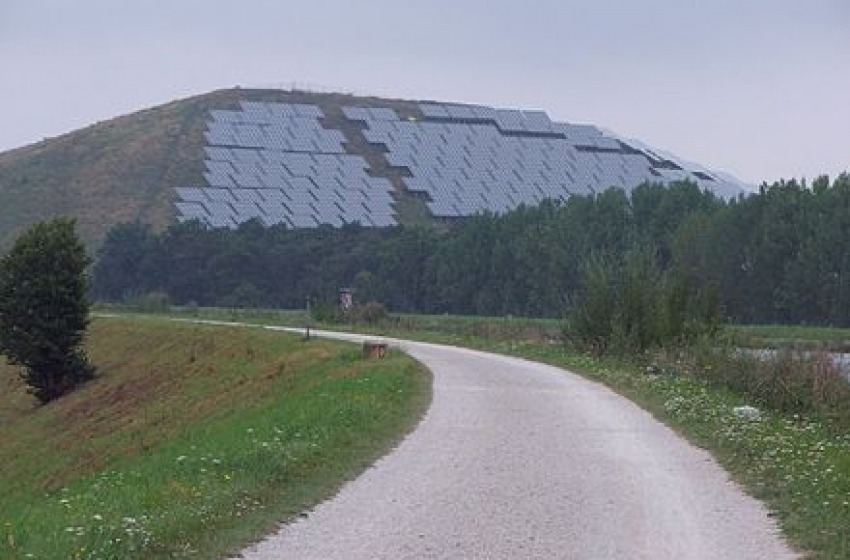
(124, 262)
(44, 309)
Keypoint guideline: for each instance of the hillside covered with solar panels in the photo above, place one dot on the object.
(304, 165)
(303, 159)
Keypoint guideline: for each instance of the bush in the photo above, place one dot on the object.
(630, 305)
(326, 312)
(370, 313)
(44, 310)
(591, 324)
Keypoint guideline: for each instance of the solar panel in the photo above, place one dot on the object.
(460, 111)
(510, 120)
(537, 121)
(433, 110)
(383, 114)
(304, 110)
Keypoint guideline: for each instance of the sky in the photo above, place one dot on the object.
(757, 88)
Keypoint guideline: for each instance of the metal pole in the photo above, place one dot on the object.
(307, 327)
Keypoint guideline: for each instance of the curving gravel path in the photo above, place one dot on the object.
(520, 460)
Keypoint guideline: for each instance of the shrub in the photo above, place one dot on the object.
(44, 310)
(326, 312)
(371, 313)
(630, 305)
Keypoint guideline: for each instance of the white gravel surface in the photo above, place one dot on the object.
(520, 460)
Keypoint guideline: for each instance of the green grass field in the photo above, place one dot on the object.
(194, 440)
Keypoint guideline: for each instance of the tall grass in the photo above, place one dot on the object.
(790, 381)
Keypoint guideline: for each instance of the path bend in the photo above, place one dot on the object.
(519, 460)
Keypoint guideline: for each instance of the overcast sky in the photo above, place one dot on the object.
(759, 88)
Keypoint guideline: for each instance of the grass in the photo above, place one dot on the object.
(194, 441)
(832, 339)
(442, 328)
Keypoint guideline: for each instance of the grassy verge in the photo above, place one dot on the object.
(194, 441)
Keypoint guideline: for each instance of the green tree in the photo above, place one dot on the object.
(122, 270)
(44, 309)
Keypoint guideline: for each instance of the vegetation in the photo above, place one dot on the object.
(44, 310)
(193, 441)
(634, 305)
(832, 339)
(779, 256)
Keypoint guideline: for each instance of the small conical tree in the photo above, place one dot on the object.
(44, 309)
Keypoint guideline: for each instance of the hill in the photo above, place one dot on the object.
(193, 438)
(130, 168)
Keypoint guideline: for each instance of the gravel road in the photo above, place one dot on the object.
(520, 460)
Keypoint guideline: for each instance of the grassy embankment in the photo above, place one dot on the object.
(799, 464)
(193, 441)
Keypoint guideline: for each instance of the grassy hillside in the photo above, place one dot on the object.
(114, 171)
(127, 168)
(194, 440)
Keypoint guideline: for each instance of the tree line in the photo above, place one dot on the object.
(781, 255)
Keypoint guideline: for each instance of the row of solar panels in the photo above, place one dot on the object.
(231, 207)
(381, 131)
(268, 167)
(278, 136)
(267, 113)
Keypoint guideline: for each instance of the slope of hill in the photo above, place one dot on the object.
(130, 168)
(193, 438)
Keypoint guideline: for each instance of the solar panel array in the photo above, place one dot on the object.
(469, 159)
(276, 162)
